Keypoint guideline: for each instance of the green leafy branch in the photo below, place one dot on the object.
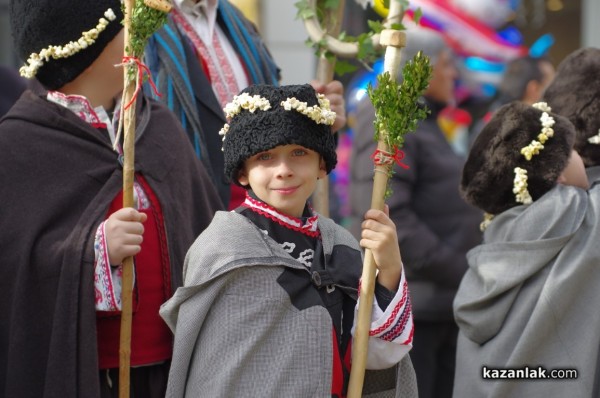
(144, 22)
(397, 106)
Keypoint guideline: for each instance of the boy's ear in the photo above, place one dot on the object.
(322, 169)
(243, 177)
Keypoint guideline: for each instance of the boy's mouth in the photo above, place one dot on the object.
(286, 190)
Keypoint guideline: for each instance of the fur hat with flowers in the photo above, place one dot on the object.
(263, 117)
(575, 94)
(59, 39)
(517, 157)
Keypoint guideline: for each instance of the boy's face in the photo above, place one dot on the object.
(574, 174)
(284, 177)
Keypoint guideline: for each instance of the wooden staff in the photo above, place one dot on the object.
(393, 40)
(325, 72)
(128, 119)
(128, 108)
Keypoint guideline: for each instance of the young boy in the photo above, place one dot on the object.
(270, 289)
(526, 306)
(63, 238)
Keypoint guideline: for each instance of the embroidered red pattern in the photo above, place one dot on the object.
(219, 69)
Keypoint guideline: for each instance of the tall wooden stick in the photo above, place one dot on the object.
(394, 40)
(128, 175)
(325, 72)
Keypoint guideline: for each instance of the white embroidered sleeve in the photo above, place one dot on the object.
(391, 332)
(107, 279)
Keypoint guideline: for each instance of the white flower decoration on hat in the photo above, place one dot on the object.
(321, 114)
(248, 102)
(520, 187)
(35, 61)
(520, 182)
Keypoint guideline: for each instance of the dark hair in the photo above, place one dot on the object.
(519, 72)
(575, 94)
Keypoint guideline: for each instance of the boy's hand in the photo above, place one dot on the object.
(334, 91)
(379, 235)
(124, 231)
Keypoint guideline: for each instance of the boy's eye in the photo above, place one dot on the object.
(299, 152)
(263, 156)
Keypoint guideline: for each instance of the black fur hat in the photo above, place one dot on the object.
(249, 133)
(575, 94)
(38, 24)
(488, 175)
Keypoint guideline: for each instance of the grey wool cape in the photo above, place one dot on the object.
(237, 332)
(530, 298)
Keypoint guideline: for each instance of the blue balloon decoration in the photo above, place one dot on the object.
(541, 46)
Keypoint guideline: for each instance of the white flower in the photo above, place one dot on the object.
(224, 130)
(520, 186)
(542, 106)
(321, 114)
(110, 15)
(245, 101)
(532, 149)
(487, 220)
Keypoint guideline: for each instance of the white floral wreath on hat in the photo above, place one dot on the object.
(535, 146)
(321, 114)
(35, 60)
(520, 182)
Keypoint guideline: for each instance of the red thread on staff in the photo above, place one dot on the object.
(383, 158)
(141, 69)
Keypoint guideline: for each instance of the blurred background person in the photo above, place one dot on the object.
(435, 226)
(525, 80)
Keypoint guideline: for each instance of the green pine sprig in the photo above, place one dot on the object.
(144, 22)
(397, 107)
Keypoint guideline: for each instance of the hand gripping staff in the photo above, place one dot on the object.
(142, 18)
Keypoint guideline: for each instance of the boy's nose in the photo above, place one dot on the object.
(283, 169)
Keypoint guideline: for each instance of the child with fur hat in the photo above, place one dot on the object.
(575, 94)
(524, 305)
(270, 288)
(63, 234)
